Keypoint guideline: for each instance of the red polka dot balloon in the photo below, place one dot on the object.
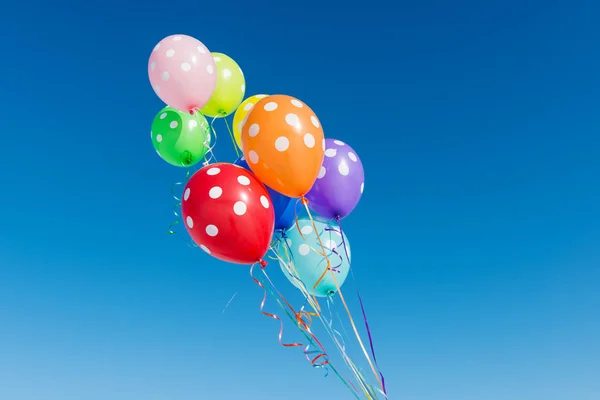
(228, 213)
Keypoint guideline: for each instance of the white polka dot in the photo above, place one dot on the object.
(170, 53)
(190, 222)
(343, 168)
(338, 142)
(243, 87)
(215, 192)
(315, 121)
(192, 124)
(253, 157)
(163, 115)
(243, 180)
(248, 106)
(203, 247)
(306, 230)
(209, 69)
(212, 230)
(186, 67)
(303, 249)
(261, 96)
(270, 106)
(292, 119)
(217, 58)
(174, 124)
(289, 241)
(352, 156)
(176, 38)
(201, 49)
(309, 140)
(264, 201)
(159, 138)
(362, 187)
(322, 172)
(330, 153)
(186, 194)
(157, 89)
(240, 126)
(226, 73)
(153, 65)
(253, 130)
(323, 144)
(240, 208)
(297, 103)
(156, 47)
(282, 143)
(165, 76)
(330, 244)
(213, 171)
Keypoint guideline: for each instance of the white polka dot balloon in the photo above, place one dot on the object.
(340, 183)
(309, 265)
(228, 213)
(181, 71)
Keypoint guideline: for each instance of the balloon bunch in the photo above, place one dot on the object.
(238, 212)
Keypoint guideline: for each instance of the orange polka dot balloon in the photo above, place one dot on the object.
(284, 144)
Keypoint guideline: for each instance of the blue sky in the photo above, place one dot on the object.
(476, 244)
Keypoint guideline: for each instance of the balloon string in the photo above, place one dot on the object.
(171, 229)
(275, 317)
(339, 291)
(362, 308)
(330, 301)
(330, 304)
(237, 151)
(314, 304)
(303, 320)
(347, 383)
(209, 157)
(311, 301)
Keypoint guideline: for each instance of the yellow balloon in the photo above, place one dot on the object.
(240, 116)
(230, 89)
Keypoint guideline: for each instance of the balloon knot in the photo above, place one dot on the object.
(304, 201)
(262, 263)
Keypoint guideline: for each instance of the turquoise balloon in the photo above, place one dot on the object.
(309, 264)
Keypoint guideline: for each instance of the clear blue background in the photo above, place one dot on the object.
(476, 244)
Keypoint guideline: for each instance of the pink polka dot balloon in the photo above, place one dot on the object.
(182, 72)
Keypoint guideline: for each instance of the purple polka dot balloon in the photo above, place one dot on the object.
(340, 183)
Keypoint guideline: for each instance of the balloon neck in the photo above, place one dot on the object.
(304, 200)
(262, 263)
(330, 293)
(186, 158)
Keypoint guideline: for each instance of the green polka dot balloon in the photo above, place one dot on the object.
(179, 138)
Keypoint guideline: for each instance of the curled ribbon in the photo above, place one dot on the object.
(366, 388)
(262, 305)
(171, 229)
(303, 321)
